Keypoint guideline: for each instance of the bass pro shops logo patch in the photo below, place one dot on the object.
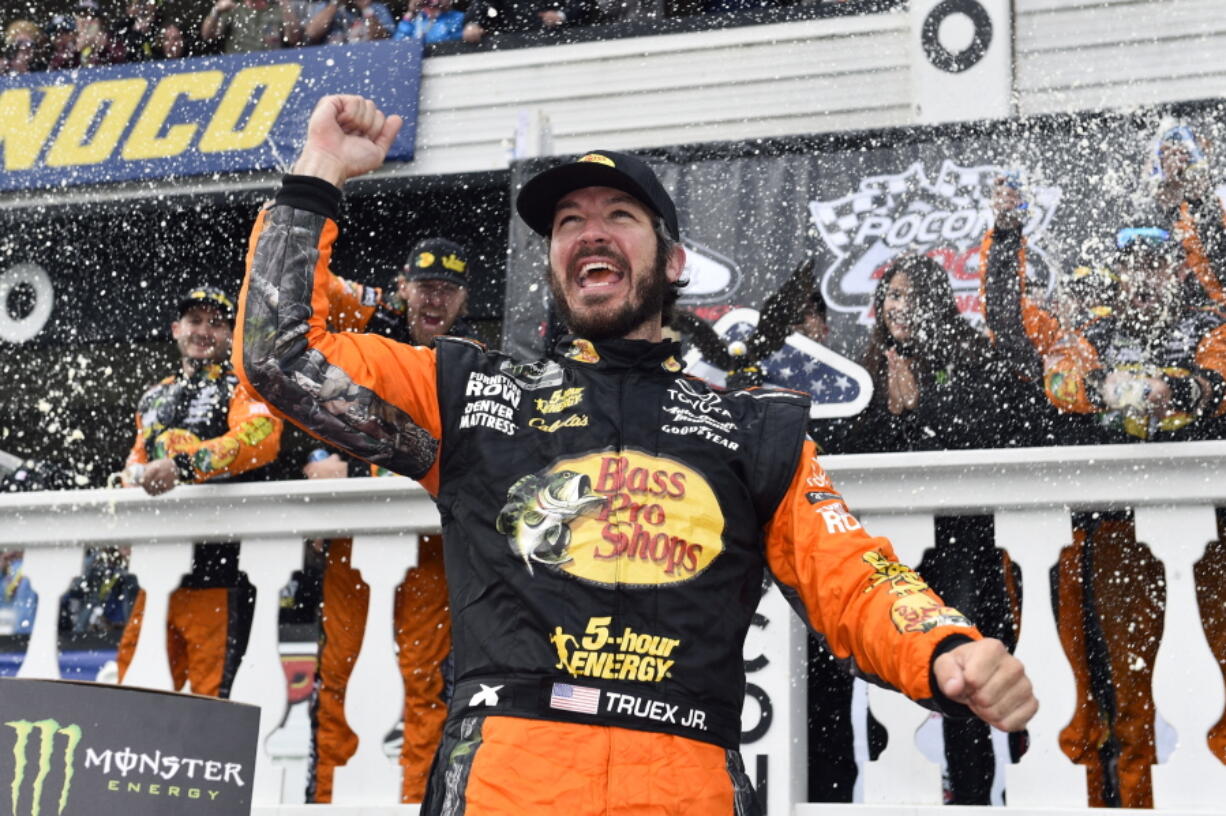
(945, 218)
(625, 518)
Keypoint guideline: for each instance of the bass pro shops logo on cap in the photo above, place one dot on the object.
(598, 159)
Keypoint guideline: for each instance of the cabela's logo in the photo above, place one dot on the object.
(46, 760)
(945, 218)
(624, 518)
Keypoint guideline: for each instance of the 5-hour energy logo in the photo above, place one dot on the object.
(597, 652)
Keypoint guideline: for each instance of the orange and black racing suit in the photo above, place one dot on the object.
(422, 625)
(608, 523)
(1107, 587)
(215, 430)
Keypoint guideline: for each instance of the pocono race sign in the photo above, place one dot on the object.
(944, 216)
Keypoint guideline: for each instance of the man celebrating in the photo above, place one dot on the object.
(195, 426)
(429, 298)
(608, 520)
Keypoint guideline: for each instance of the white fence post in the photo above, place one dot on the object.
(158, 567)
(49, 571)
(1187, 680)
(901, 774)
(1044, 776)
(260, 679)
(375, 698)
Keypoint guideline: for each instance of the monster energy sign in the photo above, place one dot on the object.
(70, 749)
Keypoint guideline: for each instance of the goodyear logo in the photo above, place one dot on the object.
(624, 518)
(186, 117)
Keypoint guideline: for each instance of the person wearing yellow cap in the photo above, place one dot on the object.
(201, 425)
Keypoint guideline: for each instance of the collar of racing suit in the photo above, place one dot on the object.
(609, 355)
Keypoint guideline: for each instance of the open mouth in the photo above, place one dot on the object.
(599, 274)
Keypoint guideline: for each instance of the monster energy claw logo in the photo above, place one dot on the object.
(47, 730)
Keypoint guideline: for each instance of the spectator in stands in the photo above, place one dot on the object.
(145, 35)
(90, 45)
(25, 48)
(18, 602)
(62, 40)
(430, 21)
(627, 11)
(728, 6)
(243, 26)
(346, 21)
(524, 16)
(200, 425)
(428, 299)
(99, 602)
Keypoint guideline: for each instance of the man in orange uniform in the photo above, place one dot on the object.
(195, 426)
(608, 520)
(1147, 363)
(429, 299)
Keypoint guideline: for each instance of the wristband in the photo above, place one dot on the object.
(1186, 393)
(185, 470)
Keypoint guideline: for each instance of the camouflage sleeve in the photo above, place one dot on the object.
(367, 395)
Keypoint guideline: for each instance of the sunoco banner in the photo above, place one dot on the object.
(750, 214)
(188, 117)
(81, 749)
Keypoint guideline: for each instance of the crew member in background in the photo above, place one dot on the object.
(201, 425)
(1149, 365)
(428, 298)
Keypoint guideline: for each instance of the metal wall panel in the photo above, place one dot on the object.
(760, 81)
(1078, 54)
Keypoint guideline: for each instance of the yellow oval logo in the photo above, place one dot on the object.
(598, 159)
(615, 519)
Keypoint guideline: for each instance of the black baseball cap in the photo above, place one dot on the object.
(210, 296)
(437, 259)
(600, 168)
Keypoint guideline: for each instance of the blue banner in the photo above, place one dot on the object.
(190, 117)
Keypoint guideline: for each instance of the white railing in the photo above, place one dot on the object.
(1172, 488)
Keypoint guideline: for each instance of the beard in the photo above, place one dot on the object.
(645, 302)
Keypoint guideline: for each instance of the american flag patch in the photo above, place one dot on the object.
(575, 698)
